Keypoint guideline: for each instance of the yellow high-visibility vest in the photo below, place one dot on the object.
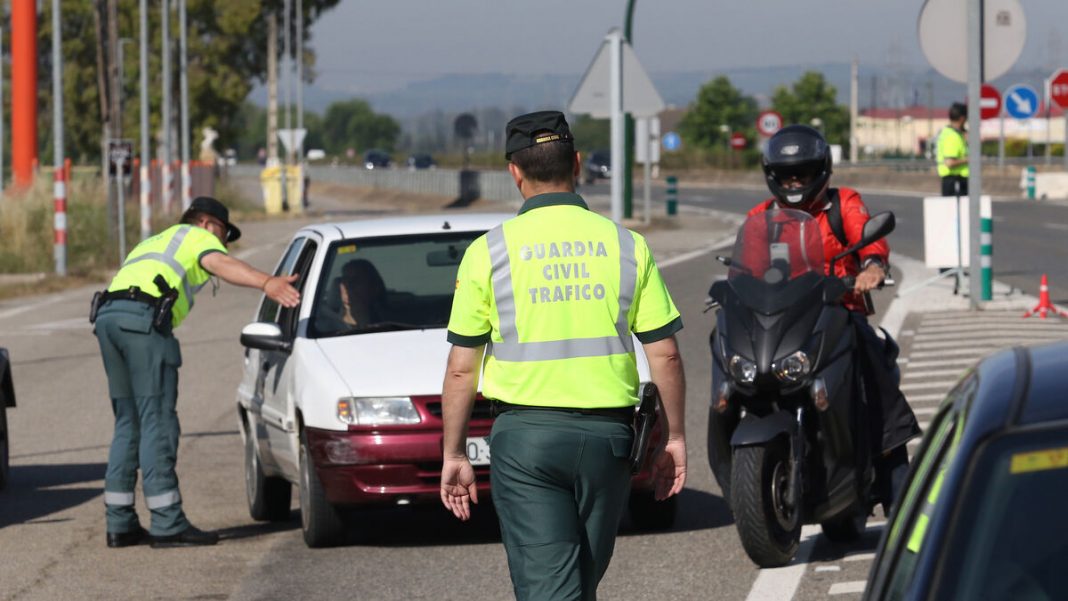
(175, 254)
(555, 293)
(951, 145)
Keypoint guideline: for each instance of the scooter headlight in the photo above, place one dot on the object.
(742, 370)
(792, 368)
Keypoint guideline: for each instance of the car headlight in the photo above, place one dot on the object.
(377, 411)
(742, 370)
(792, 368)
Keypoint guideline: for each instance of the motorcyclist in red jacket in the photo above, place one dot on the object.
(797, 166)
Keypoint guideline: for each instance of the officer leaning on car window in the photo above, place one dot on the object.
(134, 321)
(549, 300)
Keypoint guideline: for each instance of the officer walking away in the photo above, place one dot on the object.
(549, 300)
(952, 153)
(134, 321)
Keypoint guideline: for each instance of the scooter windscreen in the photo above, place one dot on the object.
(777, 260)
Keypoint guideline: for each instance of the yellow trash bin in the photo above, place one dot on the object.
(271, 181)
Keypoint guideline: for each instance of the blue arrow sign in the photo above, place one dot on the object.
(671, 141)
(1021, 102)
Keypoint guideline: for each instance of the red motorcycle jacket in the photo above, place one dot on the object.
(854, 216)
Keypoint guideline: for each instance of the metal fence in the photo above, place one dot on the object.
(491, 185)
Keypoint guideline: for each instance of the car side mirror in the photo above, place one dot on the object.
(265, 337)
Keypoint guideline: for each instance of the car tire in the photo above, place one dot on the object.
(268, 497)
(4, 467)
(319, 520)
(646, 513)
(769, 536)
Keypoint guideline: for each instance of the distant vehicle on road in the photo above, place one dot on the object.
(421, 161)
(7, 399)
(377, 159)
(341, 396)
(982, 515)
(598, 166)
(316, 154)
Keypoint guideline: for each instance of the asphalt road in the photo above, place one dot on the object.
(51, 516)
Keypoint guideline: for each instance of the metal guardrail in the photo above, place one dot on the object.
(492, 185)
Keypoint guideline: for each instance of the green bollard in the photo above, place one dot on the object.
(672, 195)
(1030, 182)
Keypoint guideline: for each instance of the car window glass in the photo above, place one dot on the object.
(1010, 540)
(268, 308)
(389, 283)
(287, 317)
(909, 526)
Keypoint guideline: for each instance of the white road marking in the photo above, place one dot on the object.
(906, 333)
(913, 374)
(1056, 226)
(780, 584)
(991, 333)
(992, 342)
(828, 569)
(1015, 326)
(924, 410)
(972, 353)
(76, 323)
(847, 588)
(30, 306)
(859, 557)
(936, 385)
(924, 425)
(693, 254)
(962, 361)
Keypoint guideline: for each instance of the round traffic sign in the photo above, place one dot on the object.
(768, 123)
(671, 141)
(738, 141)
(1021, 102)
(1058, 88)
(989, 102)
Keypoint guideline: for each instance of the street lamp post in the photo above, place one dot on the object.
(183, 74)
(146, 151)
(59, 181)
(165, 112)
(628, 127)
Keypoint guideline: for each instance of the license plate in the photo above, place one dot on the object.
(478, 450)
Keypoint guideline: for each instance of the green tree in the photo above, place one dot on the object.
(810, 99)
(718, 103)
(227, 54)
(352, 124)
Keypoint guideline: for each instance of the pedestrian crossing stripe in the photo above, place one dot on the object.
(1037, 461)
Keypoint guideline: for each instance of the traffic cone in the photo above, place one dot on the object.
(1043, 302)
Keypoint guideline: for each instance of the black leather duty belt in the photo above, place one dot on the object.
(623, 413)
(133, 294)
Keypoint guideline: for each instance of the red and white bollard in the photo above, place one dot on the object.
(59, 194)
(1044, 305)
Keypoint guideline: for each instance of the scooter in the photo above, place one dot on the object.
(788, 437)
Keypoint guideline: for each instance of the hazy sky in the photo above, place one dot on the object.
(368, 47)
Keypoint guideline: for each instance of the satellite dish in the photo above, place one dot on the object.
(943, 32)
(465, 126)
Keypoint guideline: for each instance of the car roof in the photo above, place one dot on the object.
(407, 225)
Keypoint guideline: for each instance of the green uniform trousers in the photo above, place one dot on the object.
(559, 482)
(142, 368)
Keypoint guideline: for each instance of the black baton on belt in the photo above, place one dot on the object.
(644, 419)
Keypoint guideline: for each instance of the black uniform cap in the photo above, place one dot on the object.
(210, 206)
(535, 128)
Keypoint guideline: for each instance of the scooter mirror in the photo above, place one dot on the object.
(878, 226)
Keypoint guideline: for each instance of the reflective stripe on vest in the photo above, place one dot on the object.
(167, 257)
(511, 349)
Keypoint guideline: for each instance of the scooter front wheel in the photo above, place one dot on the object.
(769, 526)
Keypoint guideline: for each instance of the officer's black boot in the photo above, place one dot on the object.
(127, 539)
(190, 537)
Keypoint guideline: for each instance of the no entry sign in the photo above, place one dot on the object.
(1058, 88)
(738, 141)
(989, 102)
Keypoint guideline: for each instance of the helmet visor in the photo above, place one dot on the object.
(797, 175)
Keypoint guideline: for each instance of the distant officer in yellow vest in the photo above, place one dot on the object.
(134, 322)
(545, 306)
(952, 153)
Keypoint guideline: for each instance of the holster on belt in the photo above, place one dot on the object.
(94, 305)
(644, 420)
(167, 298)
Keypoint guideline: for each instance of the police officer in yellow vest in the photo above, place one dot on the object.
(545, 306)
(952, 153)
(134, 319)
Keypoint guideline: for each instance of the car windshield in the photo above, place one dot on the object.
(1008, 542)
(387, 284)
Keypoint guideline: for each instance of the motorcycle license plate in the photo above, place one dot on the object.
(478, 450)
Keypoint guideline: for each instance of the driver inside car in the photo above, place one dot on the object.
(797, 168)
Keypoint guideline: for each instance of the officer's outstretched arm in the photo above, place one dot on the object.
(235, 271)
(665, 363)
(458, 488)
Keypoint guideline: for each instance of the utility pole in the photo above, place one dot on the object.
(59, 184)
(272, 89)
(2, 120)
(628, 127)
(113, 69)
(975, 150)
(854, 100)
(615, 96)
(146, 150)
(187, 183)
(165, 150)
(300, 78)
(287, 83)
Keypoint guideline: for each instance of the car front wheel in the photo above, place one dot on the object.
(320, 521)
(268, 497)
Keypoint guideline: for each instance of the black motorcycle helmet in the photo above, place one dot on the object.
(797, 151)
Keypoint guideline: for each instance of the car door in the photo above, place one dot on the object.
(276, 381)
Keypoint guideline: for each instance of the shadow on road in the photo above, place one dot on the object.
(825, 550)
(36, 491)
(260, 528)
(698, 510)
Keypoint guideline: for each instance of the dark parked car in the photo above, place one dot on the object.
(7, 399)
(421, 161)
(983, 513)
(598, 166)
(376, 159)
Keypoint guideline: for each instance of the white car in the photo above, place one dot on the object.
(341, 395)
